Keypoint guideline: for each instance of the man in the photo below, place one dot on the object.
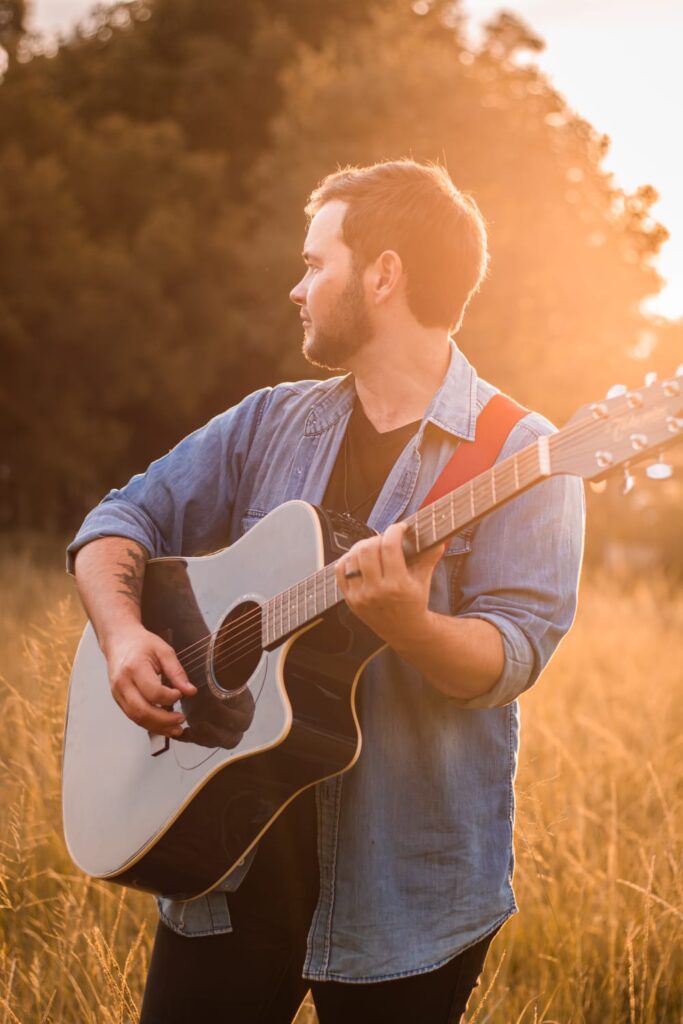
(381, 889)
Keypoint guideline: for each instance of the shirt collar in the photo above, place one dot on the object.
(453, 407)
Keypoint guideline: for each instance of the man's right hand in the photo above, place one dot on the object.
(136, 658)
(110, 572)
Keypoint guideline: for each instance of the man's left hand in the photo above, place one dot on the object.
(389, 596)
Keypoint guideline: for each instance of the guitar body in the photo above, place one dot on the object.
(174, 818)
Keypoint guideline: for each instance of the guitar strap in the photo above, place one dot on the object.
(494, 423)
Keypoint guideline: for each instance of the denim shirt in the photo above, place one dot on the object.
(416, 840)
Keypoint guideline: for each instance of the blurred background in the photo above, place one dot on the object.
(154, 161)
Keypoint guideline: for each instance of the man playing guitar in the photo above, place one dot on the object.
(380, 889)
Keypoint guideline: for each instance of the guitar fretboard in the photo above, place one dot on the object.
(308, 599)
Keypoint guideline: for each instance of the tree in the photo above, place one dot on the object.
(12, 25)
(572, 254)
(152, 180)
(211, 66)
(116, 256)
(121, 167)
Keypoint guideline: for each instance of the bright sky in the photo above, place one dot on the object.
(618, 62)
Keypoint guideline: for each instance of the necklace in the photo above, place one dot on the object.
(371, 494)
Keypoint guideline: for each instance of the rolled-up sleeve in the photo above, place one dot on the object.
(181, 504)
(522, 574)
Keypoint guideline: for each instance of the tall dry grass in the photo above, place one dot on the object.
(600, 787)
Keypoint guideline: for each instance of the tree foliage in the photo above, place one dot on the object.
(152, 179)
(571, 253)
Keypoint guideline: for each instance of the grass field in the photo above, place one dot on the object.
(599, 833)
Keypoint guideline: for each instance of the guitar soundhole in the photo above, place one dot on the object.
(236, 649)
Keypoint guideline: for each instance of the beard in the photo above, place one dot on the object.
(346, 331)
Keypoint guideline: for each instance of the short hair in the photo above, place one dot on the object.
(416, 210)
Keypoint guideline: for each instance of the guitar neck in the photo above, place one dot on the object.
(470, 502)
(308, 599)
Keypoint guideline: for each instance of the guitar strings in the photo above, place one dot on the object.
(233, 636)
(247, 643)
(256, 614)
(244, 627)
(253, 622)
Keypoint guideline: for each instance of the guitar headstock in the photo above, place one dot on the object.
(625, 427)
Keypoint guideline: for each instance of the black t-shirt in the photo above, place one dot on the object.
(285, 871)
(365, 459)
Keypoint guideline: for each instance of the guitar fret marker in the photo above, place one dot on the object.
(472, 499)
(543, 449)
(515, 466)
(493, 486)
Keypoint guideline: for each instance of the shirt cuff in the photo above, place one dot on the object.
(518, 671)
(115, 519)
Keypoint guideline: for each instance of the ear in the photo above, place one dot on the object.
(386, 277)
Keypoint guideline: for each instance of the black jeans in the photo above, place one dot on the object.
(253, 974)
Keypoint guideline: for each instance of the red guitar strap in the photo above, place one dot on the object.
(494, 424)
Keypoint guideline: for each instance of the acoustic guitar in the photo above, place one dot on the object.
(263, 632)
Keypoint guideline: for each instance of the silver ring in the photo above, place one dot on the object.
(352, 574)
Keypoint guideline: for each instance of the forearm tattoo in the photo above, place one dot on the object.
(132, 575)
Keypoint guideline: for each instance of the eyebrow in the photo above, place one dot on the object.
(308, 254)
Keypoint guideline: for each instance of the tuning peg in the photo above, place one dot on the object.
(679, 371)
(650, 379)
(616, 391)
(659, 470)
(628, 482)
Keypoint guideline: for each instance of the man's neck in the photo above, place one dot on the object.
(396, 381)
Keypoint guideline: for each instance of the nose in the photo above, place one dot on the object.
(297, 294)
